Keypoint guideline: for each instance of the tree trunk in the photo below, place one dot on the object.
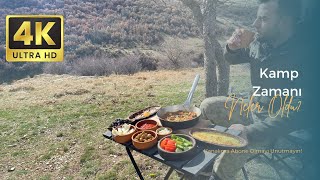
(209, 24)
(210, 69)
(223, 70)
(213, 53)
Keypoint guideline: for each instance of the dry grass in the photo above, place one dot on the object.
(61, 88)
(51, 125)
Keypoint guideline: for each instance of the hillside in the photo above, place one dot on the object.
(122, 23)
(99, 32)
(97, 28)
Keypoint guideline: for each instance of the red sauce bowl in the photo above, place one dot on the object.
(147, 124)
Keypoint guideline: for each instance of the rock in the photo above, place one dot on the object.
(11, 169)
(60, 134)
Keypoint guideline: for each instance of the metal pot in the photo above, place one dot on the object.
(182, 107)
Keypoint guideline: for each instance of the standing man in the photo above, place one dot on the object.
(276, 46)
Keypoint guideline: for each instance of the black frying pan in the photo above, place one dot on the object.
(182, 107)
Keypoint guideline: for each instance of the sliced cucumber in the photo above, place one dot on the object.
(179, 150)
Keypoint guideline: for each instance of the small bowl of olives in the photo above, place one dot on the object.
(144, 139)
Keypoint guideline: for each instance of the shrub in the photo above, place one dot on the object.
(147, 62)
(88, 49)
(198, 59)
(99, 36)
(102, 66)
(174, 53)
(127, 65)
(92, 66)
(2, 52)
(56, 68)
(18, 3)
(12, 71)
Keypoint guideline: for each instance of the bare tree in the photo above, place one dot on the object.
(205, 13)
(173, 52)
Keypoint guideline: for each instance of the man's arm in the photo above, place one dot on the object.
(236, 56)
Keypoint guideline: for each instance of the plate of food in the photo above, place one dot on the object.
(177, 147)
(180, 115)
(216, 138)
(144, 113)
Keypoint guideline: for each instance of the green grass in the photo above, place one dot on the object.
(87, 155)
(111, 175)
(90, 169)
(21, 172)
(45, 177)
(20, 153)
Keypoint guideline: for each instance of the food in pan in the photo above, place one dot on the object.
(122, 130)
(216, 138)
(180, 116)
(144, 137)
(175, 144)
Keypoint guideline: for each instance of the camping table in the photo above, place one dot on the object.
(192, 167)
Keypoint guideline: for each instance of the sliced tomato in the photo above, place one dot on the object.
(170, 148)
(164, 142)
(166, 139)
(171, 142)
(162, 146)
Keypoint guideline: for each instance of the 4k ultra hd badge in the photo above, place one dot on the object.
(37, 38)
